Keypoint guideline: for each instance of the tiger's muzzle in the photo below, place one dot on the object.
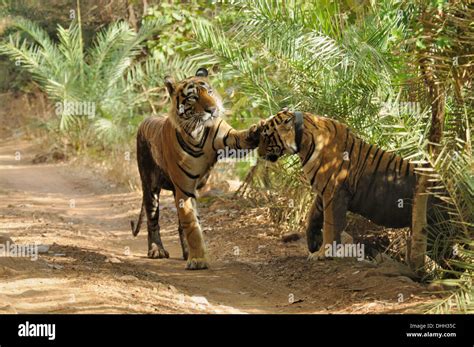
(272, 157)
(269, 152)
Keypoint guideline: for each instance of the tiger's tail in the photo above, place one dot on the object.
(136, 229)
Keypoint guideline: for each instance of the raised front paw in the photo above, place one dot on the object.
(254, 132)
(197, 264)
(155, 251)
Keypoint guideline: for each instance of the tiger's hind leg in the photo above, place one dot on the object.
(155, 245)
(334, 210)
(152, 180)
(182, 237)
(314, 236)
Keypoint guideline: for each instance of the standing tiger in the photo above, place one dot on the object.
(347, 174)
(177, 153)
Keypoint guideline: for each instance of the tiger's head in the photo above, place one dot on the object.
(195, 105)
(281, 134)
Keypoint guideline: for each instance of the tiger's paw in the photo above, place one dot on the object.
(319, 255)
(197, 264)
(157, 252)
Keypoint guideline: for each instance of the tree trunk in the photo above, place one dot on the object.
(418, 239)
(132, 18)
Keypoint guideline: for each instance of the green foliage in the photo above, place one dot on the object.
(309, 56)
(302, 56)
(176, 29)
(459, 291)
(352, 63)
(444, 58)
(450, 172)
(103, 74)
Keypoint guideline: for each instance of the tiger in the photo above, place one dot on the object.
(345, 172)
(177, 153)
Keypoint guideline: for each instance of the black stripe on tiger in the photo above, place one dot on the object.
(310, 153)
(204, 138)
(184, 145)
(215, 136)
(187, 173)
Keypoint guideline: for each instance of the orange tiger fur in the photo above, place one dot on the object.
(347, 174)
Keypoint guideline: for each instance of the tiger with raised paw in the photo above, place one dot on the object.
(177, 153)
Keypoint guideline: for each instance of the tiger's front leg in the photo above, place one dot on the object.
(197, 256)
(239, 139)
(315, 224)
(334, 210)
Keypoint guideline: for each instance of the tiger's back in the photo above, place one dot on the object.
(380, 184)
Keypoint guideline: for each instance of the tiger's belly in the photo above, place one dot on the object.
(385, 200)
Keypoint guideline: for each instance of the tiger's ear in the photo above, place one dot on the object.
(169, 83)
(202, 72)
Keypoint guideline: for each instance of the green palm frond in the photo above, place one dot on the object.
(347, 62)
(68, 73)
(70, 45)
(238, 58)
(34, 33)
(130, 46)
(459, 293)
(295, 54)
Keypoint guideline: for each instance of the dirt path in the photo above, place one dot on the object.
(94, 265)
